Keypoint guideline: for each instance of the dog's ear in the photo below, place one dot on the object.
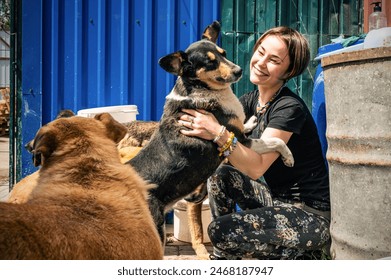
(44, 145)
(174, 63)
(212, 32)
(114, 130)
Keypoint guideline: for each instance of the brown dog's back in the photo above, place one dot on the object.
(90, 230)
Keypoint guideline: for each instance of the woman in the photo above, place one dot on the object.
(288, 215)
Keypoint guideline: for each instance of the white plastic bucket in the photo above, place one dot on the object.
(122, 114)
(181, 224)
(378, 38)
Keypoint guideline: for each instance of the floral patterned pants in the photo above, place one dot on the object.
(266, 228)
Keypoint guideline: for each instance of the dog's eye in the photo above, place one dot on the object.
(211, 65)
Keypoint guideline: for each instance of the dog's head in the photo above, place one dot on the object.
(75, 136)
(203, 63)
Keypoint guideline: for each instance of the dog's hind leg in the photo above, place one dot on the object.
(194, 217)
(199, 195)
(273, 144)
(158, 215)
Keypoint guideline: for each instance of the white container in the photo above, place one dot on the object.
(181, 224)
(378, 38)
(122, 114)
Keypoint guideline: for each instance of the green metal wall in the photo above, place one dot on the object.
(243, 22)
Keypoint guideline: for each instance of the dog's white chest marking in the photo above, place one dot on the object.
(229, 102)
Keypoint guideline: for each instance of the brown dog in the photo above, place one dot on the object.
(86, 204)
(139, 133)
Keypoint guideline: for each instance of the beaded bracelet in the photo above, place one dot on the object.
(222, 130)
(231, 148)
(227, 144)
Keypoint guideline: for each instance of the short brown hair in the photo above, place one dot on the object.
(297, 45)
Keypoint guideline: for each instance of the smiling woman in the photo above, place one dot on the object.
(269, 64)
(294, 45)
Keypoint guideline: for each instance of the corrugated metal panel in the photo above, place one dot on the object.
(30, 117)
(92, 53)
(320, 21)
(4, 59)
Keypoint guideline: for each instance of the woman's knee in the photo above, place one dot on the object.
(224, 170)
(220, 178)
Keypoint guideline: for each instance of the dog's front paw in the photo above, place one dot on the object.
(288, 159)
(250, 124)
(201, 252)
(286, 154)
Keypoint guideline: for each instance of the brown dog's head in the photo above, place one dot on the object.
(203, 64)
(74, 136)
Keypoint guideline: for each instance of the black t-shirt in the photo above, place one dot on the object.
(308, 179)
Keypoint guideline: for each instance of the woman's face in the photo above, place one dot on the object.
(270, 62)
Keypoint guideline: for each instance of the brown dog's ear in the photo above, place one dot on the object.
(44, 145)
(114, 130)
(37, 158)
(212, 32)
(174, 63)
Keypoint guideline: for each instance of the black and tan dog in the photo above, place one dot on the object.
(177, 164)
(85, 203)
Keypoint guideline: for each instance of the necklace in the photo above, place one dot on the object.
(267, 105)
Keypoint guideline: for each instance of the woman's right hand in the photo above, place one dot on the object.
(200, 123)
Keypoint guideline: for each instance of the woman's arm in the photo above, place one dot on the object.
(250, 162)
(204, 125)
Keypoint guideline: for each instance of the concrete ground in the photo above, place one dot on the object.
(4, 167)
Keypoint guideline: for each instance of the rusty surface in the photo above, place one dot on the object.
(358, 111)
(367, 151)
(359, 56)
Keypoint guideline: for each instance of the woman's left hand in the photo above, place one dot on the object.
(200, 123)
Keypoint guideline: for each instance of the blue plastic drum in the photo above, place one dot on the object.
(318, 98)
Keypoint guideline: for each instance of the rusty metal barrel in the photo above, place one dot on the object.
(358, 109)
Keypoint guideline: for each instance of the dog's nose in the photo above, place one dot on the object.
(238, 72)
(29, 146)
